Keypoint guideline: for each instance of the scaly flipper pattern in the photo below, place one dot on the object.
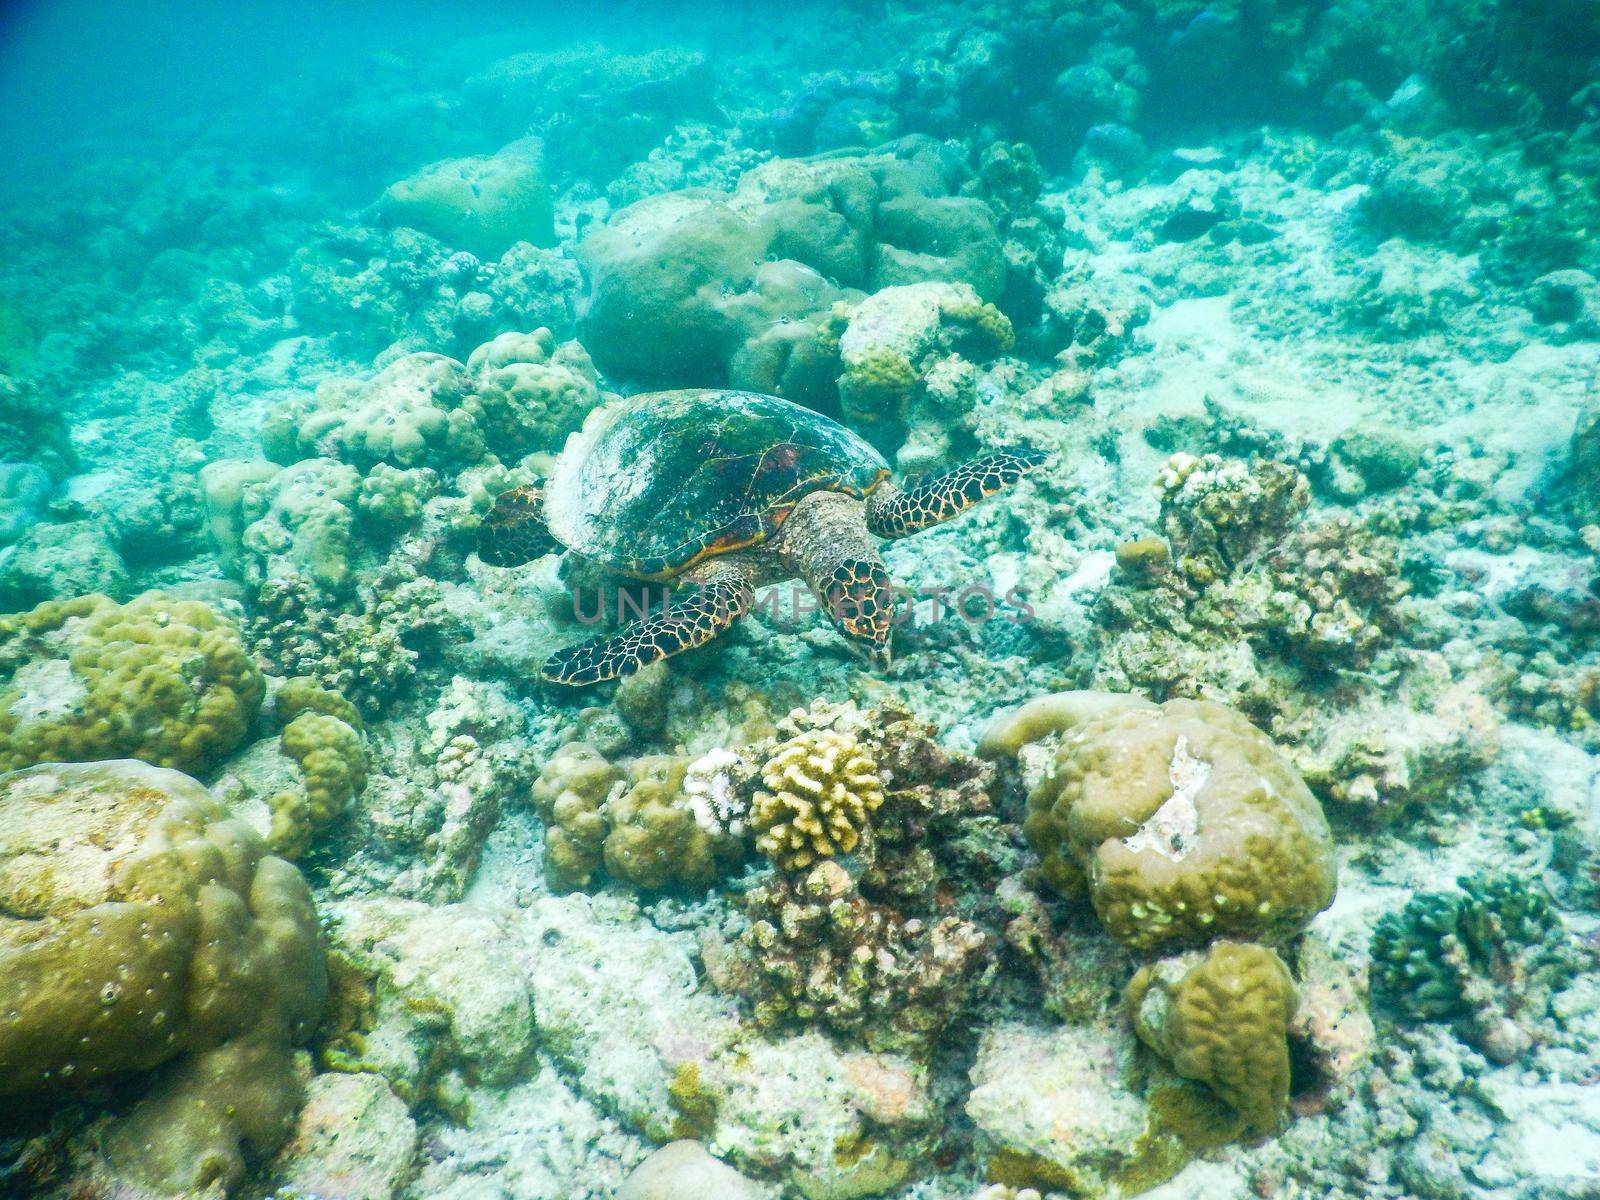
(706, 609)
(514, 532)
(937, 498)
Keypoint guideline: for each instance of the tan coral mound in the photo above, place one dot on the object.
(1221, 1016)
(1181, 821)
(160, 679)
(143, 926)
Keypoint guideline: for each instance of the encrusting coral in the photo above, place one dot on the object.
(821, 789)
(1180, 822)
(1487, 957)
(144, 926)
(160, 679)
(1221, 1016)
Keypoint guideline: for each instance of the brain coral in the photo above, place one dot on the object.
(140, 925)
(1181, 820)
(159, 679)
(1222, 1016)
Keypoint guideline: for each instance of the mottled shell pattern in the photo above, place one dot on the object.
(653, 484)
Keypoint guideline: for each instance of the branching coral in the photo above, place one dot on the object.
(159, 679)
(144, 926)
(1487, 957)
(364, 646)
(867, 951)
(1245, 608)
(1182, 823)
(820, 952)
(1222, 1016)
(822, 789)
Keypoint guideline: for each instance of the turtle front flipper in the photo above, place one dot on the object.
(898, 512)
(513, 532)
(711, 600)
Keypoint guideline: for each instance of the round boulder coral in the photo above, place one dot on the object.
(159, 679)
(1183, 823)
(142, 926)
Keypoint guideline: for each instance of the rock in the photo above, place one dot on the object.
(1117, 146)
(460, 994)
(1055, 1109)
(24, 490)
(682, 1170)
(354, 1141)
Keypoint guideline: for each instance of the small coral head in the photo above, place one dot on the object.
(863, 601)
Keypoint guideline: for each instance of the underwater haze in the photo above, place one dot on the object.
(987, 600)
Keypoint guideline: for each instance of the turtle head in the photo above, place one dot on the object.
(862, 601)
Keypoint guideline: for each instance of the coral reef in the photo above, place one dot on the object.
(822, 788)
(864, 952)
(1325, 273)
(146, 927)
(1181, 822)
(1487, 957)
(159, 679)
(1221, 1015)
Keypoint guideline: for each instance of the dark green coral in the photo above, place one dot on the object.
(1487, 957)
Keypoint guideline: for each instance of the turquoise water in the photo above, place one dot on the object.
(949, 601)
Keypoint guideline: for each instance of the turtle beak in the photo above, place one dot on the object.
(877, 655)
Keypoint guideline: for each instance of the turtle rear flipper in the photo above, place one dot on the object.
(709, 604)
(899, 512)
(514, 531)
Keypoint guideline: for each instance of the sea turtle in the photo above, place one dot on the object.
(719, 492)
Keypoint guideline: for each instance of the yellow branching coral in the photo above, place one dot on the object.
(820, 788)
(1221, 1016)
(160, 679)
